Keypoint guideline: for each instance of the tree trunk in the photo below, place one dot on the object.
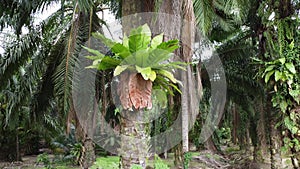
(275, 139)
(260, 151)
(134, 135)
(87, 156)
(210, 145)
(134, 140)
(173, 28)
(178, 155)
(187, 37)
(88, 153)
(235, 123)
(275, 145)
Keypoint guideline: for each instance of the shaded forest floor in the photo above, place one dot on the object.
(233, 159)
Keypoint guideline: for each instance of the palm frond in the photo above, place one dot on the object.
(45, 88)
(204, 13)
(238, 9)
(63, 75)
(17, 54)
(220, 13)
(16, 14)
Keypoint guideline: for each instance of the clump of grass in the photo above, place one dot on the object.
(111, 162)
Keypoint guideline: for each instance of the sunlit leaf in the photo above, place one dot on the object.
(283, 106)
(120, 69)
(282, 60)
(168, 75)
(120, 50)
(139, 38)
(290, 66)
(93, 51)
(125, 41)
(269, 68)
(145, 72)
(152, 76)
(170, 45)
(268, 75)
(278, 75)
(158, 39)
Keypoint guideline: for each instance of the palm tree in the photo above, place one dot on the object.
(49, 51)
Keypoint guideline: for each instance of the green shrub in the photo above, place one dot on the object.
(106, 163)
(44, 158)
(159, 164)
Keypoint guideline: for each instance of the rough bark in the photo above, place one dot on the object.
(235, 124)
(133, 124)
(275, 140)
(187, 37)
(180, 25)
(274, 137)
(134, 140)
(130, 7)
(88, 153)
(210, 145)
(178, 155)
(260, 151)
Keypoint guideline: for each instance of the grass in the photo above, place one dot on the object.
(109, 162)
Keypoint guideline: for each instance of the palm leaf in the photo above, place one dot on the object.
(17, 54)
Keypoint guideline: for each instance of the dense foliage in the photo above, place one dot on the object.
(258, 43)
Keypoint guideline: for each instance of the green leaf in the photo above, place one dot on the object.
(283, 106)
(97, 61)
(125, 41)
(170, 45)
(157, 56)
(157, 40)
(295, 94)
(120, 69)
(269, 68)
(152, 76)
(278, 75)
(139, 58)
(290, 66)
(292, 45)
(171, 65)
(93, 51)
(294, 130)
(106, 41)
(94, 57)
(282, 60)
(162, 82)
(288, 123)
(175, 87)
(92, 67)
(139, 38)
(120, 50)
(145, 72)
(108, 63)
(168, 75)
(268, 75)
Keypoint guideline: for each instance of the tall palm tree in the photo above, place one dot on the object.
(49, 51)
